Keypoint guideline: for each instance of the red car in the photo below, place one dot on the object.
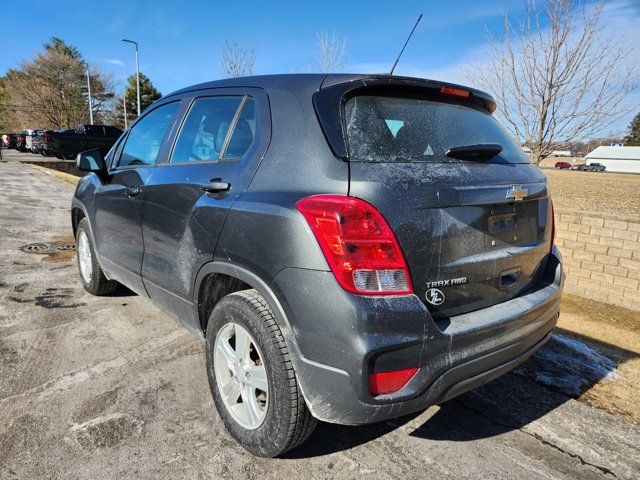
(562, 165)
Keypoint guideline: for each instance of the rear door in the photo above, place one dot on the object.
(214, 156)
(474, 232)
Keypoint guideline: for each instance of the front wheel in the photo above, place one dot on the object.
(252, 379)
(92, 276)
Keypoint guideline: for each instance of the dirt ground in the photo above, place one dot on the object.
(587, 191)
(109, 387)
(615, 332)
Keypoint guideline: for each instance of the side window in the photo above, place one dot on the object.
(205, 129)
(145, 138)
(244, 132)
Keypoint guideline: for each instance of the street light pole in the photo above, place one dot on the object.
(137, 71)
(86, 69)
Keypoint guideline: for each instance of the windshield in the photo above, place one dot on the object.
(408, 129)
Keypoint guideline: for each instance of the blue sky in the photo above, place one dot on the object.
(180, 41)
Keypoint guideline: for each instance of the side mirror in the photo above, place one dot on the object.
(91, 161)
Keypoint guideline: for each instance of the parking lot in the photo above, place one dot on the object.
(112, 388)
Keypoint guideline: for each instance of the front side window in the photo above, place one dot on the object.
(205, 135)
(145, 139)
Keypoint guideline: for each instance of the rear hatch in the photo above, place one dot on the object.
(475, 229)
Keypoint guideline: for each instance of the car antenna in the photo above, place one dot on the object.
(405, 45)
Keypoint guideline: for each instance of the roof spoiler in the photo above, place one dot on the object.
(329, 100)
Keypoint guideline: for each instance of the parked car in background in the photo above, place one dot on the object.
(37, 141)
(9, 140)
(30, 134)
(285, 221)
(562, 165)
(596, 167)
(46, 143)
(69, 143)
(21, 142)
(591, 167)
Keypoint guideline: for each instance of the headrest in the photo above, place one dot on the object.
(241, 140)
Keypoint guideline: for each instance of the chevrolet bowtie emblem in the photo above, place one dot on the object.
(517, 193)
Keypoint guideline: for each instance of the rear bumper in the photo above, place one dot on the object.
(339, 338)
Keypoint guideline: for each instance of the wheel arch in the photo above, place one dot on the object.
(303, 367)
(77, 214)
(246, 277)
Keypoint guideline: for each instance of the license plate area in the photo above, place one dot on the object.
(503, 223)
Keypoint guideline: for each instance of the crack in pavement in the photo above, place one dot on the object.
(538, 437)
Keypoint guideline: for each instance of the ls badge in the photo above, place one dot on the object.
(434, 296)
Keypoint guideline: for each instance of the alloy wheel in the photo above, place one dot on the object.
(84, 257)
(241, 376)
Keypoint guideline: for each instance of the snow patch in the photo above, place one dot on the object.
(569, 366)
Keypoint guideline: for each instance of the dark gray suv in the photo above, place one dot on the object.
(351, 248)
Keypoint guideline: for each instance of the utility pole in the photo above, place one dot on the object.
(137, 71)
(86, 69)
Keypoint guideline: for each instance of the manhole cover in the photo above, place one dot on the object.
(45, 248)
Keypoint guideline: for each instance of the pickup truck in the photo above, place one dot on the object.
(43, 141)
(68, 143)
(589, 167)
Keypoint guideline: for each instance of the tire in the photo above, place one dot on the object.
(92, 278)
(286, 421)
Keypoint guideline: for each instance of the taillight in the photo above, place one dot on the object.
(47, 137)
(383, 383)
(553, 227)
(358, 243)
(455, 92)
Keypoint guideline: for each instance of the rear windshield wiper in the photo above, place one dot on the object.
(480, 151)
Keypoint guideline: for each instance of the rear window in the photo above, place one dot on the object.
(402, 129)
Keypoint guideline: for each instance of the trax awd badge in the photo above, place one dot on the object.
(435, 296)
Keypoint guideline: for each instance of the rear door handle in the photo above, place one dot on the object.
(216, 186)
(132, 191)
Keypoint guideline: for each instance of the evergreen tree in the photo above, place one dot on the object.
(148, 94)
(58, 45)
(633, 139)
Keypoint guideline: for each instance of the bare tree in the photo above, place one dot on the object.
(332, 52)
(556, 77)
(237, 61)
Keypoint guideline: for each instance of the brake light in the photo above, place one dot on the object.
(389, 382)
(47, 137)
(358, 243)
(455, 92)
(553, 227)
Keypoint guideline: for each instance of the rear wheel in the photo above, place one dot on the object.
(251, 377)
(92, 276)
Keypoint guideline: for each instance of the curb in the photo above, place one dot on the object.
(65, 177)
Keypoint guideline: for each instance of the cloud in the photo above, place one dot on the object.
(114, 61)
